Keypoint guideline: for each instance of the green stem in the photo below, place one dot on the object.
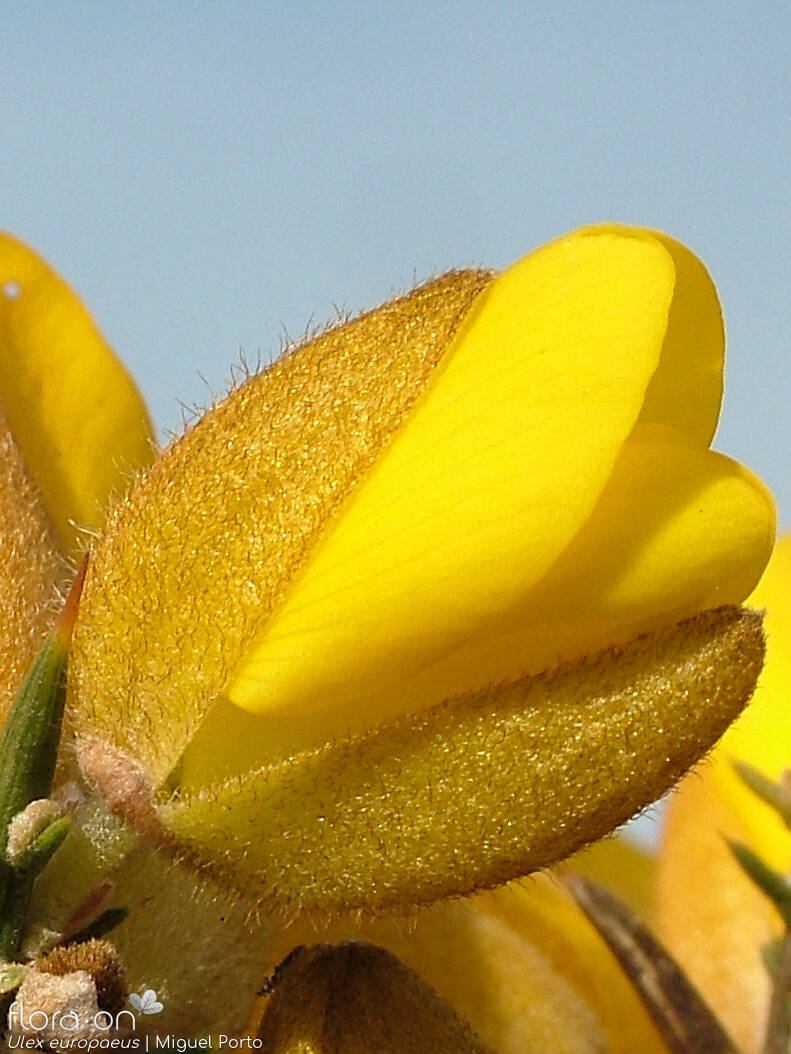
(28, 753)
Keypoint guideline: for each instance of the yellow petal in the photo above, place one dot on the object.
(677, 529)
(28, 569)
(544, 915)
(542, 386)
(74, 411)
(485, 788)
(686, 391)
(483, 487)
(763, 735)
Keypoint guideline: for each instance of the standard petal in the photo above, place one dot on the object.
(74, 411)
(686, 391)
(474, 792)
(28, 569)
(677, 529)
(481, 490)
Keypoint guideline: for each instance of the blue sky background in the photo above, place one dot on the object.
(210, 176)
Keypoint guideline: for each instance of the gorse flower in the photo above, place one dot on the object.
(440, 597)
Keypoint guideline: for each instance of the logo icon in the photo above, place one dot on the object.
(146, 1003)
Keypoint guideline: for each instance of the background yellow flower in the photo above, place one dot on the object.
(713, 918)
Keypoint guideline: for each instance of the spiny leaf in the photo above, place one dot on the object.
(685, 1021)
(37, 854)
(774, 794)
(773, 884)
(28, 751)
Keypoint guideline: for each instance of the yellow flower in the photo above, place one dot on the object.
(312, 646)
(713, 918)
